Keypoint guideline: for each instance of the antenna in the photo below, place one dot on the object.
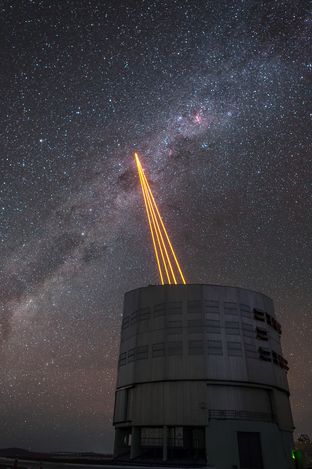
(168, 266)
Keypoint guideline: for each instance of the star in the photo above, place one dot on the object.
(216, 104)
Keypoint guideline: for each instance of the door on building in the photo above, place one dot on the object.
(250, 452)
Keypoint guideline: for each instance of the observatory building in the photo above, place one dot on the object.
(201, 377)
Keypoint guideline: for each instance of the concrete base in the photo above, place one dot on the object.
(221, 445)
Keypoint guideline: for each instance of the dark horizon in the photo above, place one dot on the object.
(214, 96)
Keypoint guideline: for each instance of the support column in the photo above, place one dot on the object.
(135, 443)
(165, 443)
(206, 442)
(121, 442)
(117, 442)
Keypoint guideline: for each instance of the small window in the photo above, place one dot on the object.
(264, 354)
(273, 323)
(259, 315)
(261, 334)
(283, 363)
(277, 326)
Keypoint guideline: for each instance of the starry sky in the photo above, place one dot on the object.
(216, 97)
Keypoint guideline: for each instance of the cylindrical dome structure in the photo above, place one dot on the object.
(201, 376)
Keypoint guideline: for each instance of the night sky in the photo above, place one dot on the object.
(216, 98)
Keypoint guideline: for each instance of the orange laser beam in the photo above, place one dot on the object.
(165, 231)
(161, 236)
(161, 245)
(151, 229)
(154, 218)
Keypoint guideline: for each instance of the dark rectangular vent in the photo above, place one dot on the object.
(279, 360)
(278, 327)
(264, 354)
(273, 323)
(259, 315)
(283, 363)
(261, 334)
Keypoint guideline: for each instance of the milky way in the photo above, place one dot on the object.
(216, 97)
